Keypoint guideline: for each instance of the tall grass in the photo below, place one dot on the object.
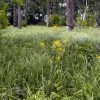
(39, 63)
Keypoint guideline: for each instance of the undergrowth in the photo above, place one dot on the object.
(49, 68)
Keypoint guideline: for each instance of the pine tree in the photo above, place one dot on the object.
(17, 13)
(70, 14)
(3, 17)
(48, 12)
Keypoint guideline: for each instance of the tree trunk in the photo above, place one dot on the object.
(19, 17)
(70, 15)
(85, 11)
(26, 11)
(15, 15)
(48, 13)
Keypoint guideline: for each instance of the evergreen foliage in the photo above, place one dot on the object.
(3, 17)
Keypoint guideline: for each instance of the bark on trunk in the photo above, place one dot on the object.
(15, 15)
(70, 15)
(26, 9)
(19, 17)
(48, 13)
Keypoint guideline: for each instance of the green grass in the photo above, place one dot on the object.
(40, 63)
(30, 31)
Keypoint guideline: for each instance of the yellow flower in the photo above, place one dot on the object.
(98, 57)
(42, 45)
(59, 49)
(56, 43)
(58, 58)
(55, 28)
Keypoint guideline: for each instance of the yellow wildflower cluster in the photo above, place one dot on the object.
(98, 57)
(42, 45)
(56, 43)
(59, 49)
(55, 28)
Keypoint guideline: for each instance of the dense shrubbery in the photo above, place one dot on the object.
(57, 20)
(48, 69)
(90, 20)
(3, 17)
(3, 20)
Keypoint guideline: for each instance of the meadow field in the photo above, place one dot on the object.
(49, 63)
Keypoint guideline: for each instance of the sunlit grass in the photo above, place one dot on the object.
(30, 31)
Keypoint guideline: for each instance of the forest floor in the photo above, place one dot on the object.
(41, 63)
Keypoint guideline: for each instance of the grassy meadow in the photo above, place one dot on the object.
(41, 63)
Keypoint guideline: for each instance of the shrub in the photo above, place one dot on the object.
(3, 19)
(57, 20)
(24, 23)
(88, 21)
(62, 21)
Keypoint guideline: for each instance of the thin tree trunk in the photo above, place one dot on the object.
(26, 11)
(19, 17)
(70, 15)
(85, 11)
(48, 13)
(14, 15)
